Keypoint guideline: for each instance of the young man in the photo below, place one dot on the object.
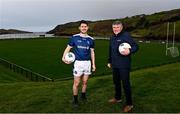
(83, 46)
(120, 64)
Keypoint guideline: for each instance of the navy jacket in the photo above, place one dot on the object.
(115, 58)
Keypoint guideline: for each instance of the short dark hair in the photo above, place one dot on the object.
(83, 22)
(117, 23)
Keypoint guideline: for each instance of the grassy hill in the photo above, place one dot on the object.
(141, 26)
(12, 31)
(154, 90)
(7, 76)
(44, 56)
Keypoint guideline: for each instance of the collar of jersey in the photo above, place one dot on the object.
(83, 35)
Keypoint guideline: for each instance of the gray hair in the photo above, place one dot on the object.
(117, 23)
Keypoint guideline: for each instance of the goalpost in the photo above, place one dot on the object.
(173, 50)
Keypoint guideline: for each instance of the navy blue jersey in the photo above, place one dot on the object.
(82, 46)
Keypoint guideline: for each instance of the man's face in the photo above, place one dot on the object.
(117, 29)
(83, 28)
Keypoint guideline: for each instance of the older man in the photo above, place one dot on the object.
(121, 64)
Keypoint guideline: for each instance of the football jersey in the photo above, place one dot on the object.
(82, 45)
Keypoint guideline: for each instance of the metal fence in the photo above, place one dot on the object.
(33, 76)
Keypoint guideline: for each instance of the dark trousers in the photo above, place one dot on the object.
(122, 76)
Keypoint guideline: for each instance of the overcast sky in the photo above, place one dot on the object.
(44, 15)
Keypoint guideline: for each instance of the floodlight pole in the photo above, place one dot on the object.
(167, 38)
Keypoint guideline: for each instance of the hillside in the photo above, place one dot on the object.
(12, 31)
(141, 26)
(154, 90)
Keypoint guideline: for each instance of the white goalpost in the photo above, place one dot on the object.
(174, 52)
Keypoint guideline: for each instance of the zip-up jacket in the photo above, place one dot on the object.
(115, 58)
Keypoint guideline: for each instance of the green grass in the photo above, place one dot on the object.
(154, 90)
(44, 56)
(7, 76)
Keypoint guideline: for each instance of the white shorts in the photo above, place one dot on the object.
(82, 68)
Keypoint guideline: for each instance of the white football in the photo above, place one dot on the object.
(123, 46)
(70, 57)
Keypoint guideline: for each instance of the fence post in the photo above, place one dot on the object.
(31, 76)
(13, 68)
(10, 66)
(26, 74)
(36, 78)
(17, 70)
(21, 71)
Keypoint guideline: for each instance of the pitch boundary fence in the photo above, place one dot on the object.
(33, 76)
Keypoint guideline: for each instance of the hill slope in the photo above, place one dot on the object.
(154, 90)
(143, 26)
(12, 31)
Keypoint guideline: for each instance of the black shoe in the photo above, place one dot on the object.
(84, 99)
(75, 103)
(83, 96)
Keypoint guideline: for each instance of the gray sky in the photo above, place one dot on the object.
(44, 15)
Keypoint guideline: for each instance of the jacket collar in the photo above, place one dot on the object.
(118, 34)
